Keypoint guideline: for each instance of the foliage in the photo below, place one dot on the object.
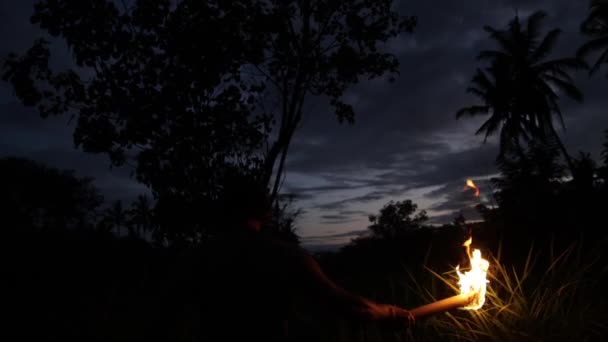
(395, 218)
(603, 169)
(283, 220)
(595, 26)
(528, 188)
(520, 89)
(605, 148)
(147, 87)
(38, 197)
(141, 219)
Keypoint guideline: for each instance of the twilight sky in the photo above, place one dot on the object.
(405, 143)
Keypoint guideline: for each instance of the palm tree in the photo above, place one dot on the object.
(605, 150)
(521, 88)
(141, 214)
(116, 216)
(596, 27)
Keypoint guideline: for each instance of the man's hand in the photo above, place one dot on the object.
(401, 315)
(392, 314)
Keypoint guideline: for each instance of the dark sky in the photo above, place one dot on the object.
(405, 143)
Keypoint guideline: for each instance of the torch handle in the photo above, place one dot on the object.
(443, 305)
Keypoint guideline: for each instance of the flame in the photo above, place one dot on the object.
(474, 280)
(472, 185)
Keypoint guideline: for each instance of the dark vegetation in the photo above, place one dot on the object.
(190, 120)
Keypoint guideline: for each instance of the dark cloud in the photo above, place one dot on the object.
(343, 217)
(329, 237)
(469, 213)
(373, 196)
(297, 196)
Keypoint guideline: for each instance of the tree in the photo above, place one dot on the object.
(186, 90)
(38, 197)
(595, 26)
(521, 87)
(322, 48)
(603, 169)
(605, 148)
(141, 215)
(146, 87)
(116, 217)
(528, 190)
(396, 218)
(585, 173)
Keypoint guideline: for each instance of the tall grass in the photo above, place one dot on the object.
(551, 296)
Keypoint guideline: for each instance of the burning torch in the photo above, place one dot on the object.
(472, 283)
(472, 287)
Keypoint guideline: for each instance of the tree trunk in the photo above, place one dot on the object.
(564, 151)
(277, 180)
(270, 160)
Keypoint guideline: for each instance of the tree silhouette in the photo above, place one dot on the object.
(520, 89)
(140, 215)
(528, 190)
(605, 148)
(188, 90)
(603, 169)
(585, 170)
(396, 218)
(156, 83)
(116, 217)
(595, 26)
(322, 48)
(38, 197)
(283, 221)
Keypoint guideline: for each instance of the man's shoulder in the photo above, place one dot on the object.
(279, 251)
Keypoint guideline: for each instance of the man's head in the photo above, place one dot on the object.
(246, 203)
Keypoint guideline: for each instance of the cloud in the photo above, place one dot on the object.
(333, 238)
(469, 213)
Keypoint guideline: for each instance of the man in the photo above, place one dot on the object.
(253, 278)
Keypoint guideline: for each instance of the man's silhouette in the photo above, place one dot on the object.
(253, 278)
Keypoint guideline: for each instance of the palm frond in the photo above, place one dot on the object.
(546, 45)
(596, 22)
(592, 46)
(534, 22)
(562, 63)
(472, 111)
(602, 59)
(481, 80)
(501, 37)
(567, 87)
(477, 92)
(490, 126)
(605, 150)
(493, 55)
(557, 72)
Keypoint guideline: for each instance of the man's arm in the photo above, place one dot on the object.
(318, 285)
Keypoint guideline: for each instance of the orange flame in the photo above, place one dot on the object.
(471, 184)
(474, 280)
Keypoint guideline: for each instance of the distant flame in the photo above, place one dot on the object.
(472, 185)
(474, 280)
